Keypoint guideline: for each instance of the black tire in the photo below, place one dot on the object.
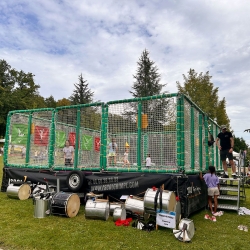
(75, 180)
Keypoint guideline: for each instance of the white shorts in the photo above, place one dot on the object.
(213, 191)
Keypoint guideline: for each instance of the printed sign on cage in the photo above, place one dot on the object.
(41, 136)
(19, 134)
(97, 144)
(72, 139)
(87, 142)
(60, 139)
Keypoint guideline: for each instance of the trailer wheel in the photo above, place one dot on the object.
(75, 180)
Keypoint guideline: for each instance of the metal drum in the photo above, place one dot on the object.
(21, 192)
(168, 200)
(113, 205)
(65, 204)
(188, 230)
(177, 211)
(119, 213)
(98, 209)
(41, 206)
(135, 204)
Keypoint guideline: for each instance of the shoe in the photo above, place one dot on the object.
(213, 218)
(234, 175)
(225, 176)
(240, 227)
(216, 214)
(207, 217)
(245, 228)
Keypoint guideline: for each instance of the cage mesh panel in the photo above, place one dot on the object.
(187, 127)
(158, 132)
(89, 134)
(16, 145)
(122, 126)
(39, 140)
(196, 140)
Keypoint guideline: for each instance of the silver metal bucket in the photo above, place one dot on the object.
(41, 206)
(98, 209)
(168, 201)
(119, 213)
(114, 205)
(21, 192)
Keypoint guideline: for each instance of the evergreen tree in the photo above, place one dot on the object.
(50, 102)
(82, 94)
(147, 78)
(203, 93)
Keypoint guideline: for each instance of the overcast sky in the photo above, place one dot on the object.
(57, 40)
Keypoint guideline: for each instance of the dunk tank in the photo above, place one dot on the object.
(170, 128)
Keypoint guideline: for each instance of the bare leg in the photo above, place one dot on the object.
(233, 166)
(215, 203)
(115, 160)
(224, 163)
(210, 203)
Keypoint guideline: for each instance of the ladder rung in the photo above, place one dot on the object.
(228, 197)
(227, 206)
(227, 188)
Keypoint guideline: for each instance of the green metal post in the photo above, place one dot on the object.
(206, 140)
(182, 133)
(192, 138)
(52, 140)
(200, 141)
(78, 124)
(218, 163)
(27, 158)
(139, 135)
(212, 149)
(7, 138)
(105, 135)
(178, 132)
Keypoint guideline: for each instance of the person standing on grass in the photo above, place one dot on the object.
(225, 143)
(213, 188)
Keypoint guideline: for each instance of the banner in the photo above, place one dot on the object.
(87, 142)
(97, 144)
(60, 139)
(19, 134)
(72, 139)
(41, 136)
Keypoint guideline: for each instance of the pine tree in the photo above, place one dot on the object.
(147, 78)
(82, 94)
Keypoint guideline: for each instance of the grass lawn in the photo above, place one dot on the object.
(20, 230)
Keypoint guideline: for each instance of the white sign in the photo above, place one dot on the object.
(166, 219)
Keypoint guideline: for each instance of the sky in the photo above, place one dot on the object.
(57, 40)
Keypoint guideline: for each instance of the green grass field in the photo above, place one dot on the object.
(20, 230)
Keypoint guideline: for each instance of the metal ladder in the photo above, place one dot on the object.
(232, 190)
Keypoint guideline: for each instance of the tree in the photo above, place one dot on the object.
(50, 102)
(17, 91)
(63, 102)
(203, 93)
(82, 94)
(147, 83)
(147, 78)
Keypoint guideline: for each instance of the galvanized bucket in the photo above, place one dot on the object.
(41, 206)
(119, 213)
